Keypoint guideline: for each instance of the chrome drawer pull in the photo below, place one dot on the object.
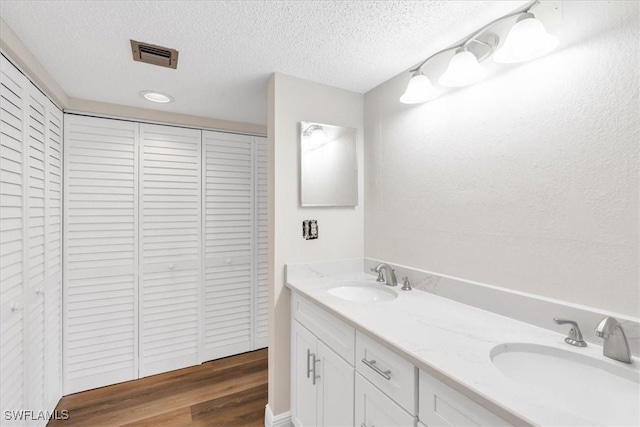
(372, 364)
(315, 361)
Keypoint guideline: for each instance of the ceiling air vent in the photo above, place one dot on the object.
(155, 55)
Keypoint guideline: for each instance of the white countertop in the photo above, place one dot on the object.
(452, 341)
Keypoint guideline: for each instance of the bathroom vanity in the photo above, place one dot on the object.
(365, 354)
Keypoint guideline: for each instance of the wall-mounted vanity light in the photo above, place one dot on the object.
(526, 40)
(418, 90)
(463, 70)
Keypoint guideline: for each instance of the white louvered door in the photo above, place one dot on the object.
(235, 288)
(13, 204)
(261, 323)
(101, 253)
(30, 253)
(170, 241)
(36, 125)
(229, 225)
(53, 259)
(166, 248)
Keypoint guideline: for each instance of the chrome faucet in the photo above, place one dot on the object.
(615, 343)
(390, 276)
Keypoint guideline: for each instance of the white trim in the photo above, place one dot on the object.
(171, 121)
(280, 420)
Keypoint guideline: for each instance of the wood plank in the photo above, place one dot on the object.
(230, 391)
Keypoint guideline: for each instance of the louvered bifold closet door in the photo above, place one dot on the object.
(37, 105)
(170, 252)
(100, 245)
(261, 336)
(229, 221)
(13, 106)
(53, 259)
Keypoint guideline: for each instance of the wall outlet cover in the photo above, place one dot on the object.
(310, 229)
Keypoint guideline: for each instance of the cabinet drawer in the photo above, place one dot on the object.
(440, 405)
(387, 371)
(338, 335)
(375, 409)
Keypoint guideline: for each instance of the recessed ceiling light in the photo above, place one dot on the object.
(159, 97)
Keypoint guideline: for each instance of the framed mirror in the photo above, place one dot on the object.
(328, 165)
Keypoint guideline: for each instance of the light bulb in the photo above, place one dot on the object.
(526, 40)
(418, 90)
(463, 70)
(318, 137)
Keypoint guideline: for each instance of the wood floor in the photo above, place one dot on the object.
(225, 392)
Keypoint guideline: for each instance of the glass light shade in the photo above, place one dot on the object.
(418, 90)
(526, 40)
(463, 70)
(318, 137)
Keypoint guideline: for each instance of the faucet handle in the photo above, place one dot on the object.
(575, 335)
(380, 277)
(406, 286)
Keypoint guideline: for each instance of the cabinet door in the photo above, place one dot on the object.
(36, 146)
(261, 338)
(100, 245)
(303, 383)
(13, 87)
(335, 389)
(442, 406)
(229, 225)
(53, 260)
(170, 251)
(375, 409)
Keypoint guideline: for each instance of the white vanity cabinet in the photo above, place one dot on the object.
(375, 409)
(385, 386)
(322, 381)
(440, 405)
(344, 377)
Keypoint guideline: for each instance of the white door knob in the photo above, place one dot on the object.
(171, 266)
(14, 307)
(228, 261)
(39, 291)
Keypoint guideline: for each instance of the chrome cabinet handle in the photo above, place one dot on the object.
(372, 364)
(315, 361)
(308, 364)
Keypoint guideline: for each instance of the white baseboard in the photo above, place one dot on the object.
(280, 420)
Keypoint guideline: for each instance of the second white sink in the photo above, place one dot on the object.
(362, 292)
(605, 393)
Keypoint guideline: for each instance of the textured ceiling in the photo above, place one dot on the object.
(228, 49)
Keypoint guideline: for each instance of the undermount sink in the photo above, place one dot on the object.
(363, 292)
(605, 393)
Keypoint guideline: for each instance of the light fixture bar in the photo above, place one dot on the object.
(526, 8)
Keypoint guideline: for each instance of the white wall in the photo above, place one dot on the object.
(292, 100)
(527, 181)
